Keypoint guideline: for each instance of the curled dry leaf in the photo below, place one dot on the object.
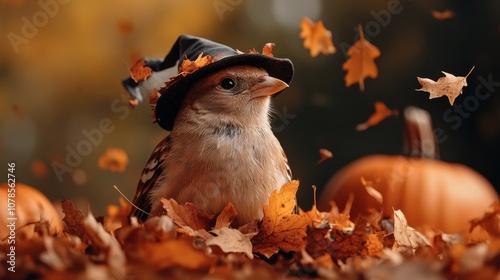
(280, 229)
(449, 85)
(139, 71)
(381, 113)
(188, 215)
(316, 37)
(405, 235)
(226, 217)
(372, 191)
(113, 159)
(361, 64)
(490, 221)
(324, 155)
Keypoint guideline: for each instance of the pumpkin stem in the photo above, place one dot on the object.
(419, 140)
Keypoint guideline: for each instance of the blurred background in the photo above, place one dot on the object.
(62, 62)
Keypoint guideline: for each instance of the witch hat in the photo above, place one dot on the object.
(190, 47)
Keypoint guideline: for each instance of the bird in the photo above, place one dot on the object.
(221, 148)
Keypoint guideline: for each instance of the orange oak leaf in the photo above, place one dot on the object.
(324, 155)
(280, 229)
(381, 113)
(316, 37)
(187, 67)
(113, 159)
(188, 215)
(449, 85)
(139, 71)
(361, 64)
(226, 217)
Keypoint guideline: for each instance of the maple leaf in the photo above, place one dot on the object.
(139, 71)
(361, 64)
(231, 241)
(324, 155)
(187, 67)
(381, 113)
(449, 86)
(406, 235)
(316, 37)
(113, 159)
(280, 229)
(188, 215)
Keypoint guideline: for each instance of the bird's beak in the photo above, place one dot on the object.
(267, 86)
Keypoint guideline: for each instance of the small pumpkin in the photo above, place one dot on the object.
(427, 190)
(29, 206)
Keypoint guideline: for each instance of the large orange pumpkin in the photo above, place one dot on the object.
(30, 205)
(428, 191)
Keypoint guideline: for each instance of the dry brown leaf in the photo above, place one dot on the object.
(187, 215)
(226, 217)
(73, 218)
(442, 15)
(324, 155)
(139, 71)
(280, 229)
(449, 86)
(405, 235)
(316, 37)
(490, 221)
(154, 96)
(231, 241)
(268, 49)
(381, 113)
(113, 159)
(361, 64)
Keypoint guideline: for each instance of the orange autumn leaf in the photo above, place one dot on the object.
(280, 229)
(490, 221)
(114, 159)
(361, 64)
(187, 67)
(39, 169)
(372, 191)
(268, 49)
(154, 96)
(139, 71)
(324, 155)
(125, 27)
(449, 85)
(442, 15)
(187, 215)
(381, 113)
(226, 217)
(133, 103)
(316, 37)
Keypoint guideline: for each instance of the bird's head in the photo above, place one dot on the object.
(238, 94)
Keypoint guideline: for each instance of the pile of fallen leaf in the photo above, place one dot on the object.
(187, 243)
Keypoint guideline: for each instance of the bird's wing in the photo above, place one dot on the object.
(151, 177)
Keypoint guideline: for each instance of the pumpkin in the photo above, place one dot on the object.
(430, 192)
(29, 206)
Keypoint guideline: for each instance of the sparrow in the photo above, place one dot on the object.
(221, 148)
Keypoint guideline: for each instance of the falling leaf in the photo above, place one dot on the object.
(381, 113)
(442, 15)
(324, 155)
(226, 217)
(490, 221)
(449, 86)
(125, 27)
(316, 37)
(231, 241)
(187, 215)
(280, 228)
(406, 235)
(361, 64)
(39, 169)
(74, 220)
(372, 191)
(139, 71)
(268, 49)
(133, 103)
(17, 110)
(113, 159)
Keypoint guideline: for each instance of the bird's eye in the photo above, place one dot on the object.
(227, 83)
